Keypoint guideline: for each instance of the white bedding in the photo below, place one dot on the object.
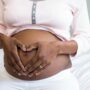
(81, 68)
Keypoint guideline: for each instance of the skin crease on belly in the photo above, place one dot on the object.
(29, 37)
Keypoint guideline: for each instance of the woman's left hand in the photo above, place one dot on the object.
(46, 53)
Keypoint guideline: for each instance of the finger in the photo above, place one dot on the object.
(15, 68)
(38, 70)
(32, 61)
(16, 71)
(39, 63)
(15, 54)
(32, 46)
(11, 62)
(43, 65)
(19, 44)
(18, 61)
(34, 66)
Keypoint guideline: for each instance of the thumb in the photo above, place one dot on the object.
(32, 46)
(19, 44)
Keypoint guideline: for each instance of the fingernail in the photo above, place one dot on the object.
(24, 48)
(24, 74)
(19, 74)
(30, 75)
(37, 74)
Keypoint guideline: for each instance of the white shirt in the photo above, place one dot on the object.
(65, 18)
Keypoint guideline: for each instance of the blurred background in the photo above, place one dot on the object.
(88, 3)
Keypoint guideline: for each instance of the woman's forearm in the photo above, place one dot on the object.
(68, 47)
(0, 45)
(1, 40)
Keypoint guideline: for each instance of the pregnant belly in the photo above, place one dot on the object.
(29, 37)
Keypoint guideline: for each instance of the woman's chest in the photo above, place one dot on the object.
(50, 12)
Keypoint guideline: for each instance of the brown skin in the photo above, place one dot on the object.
(10, 46)
(46, 54)
(48, 51)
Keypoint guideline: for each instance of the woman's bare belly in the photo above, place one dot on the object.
(29, 37)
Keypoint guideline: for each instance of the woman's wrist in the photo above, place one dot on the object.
(68, 47)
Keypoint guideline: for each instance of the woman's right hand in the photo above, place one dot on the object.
(10, 46)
